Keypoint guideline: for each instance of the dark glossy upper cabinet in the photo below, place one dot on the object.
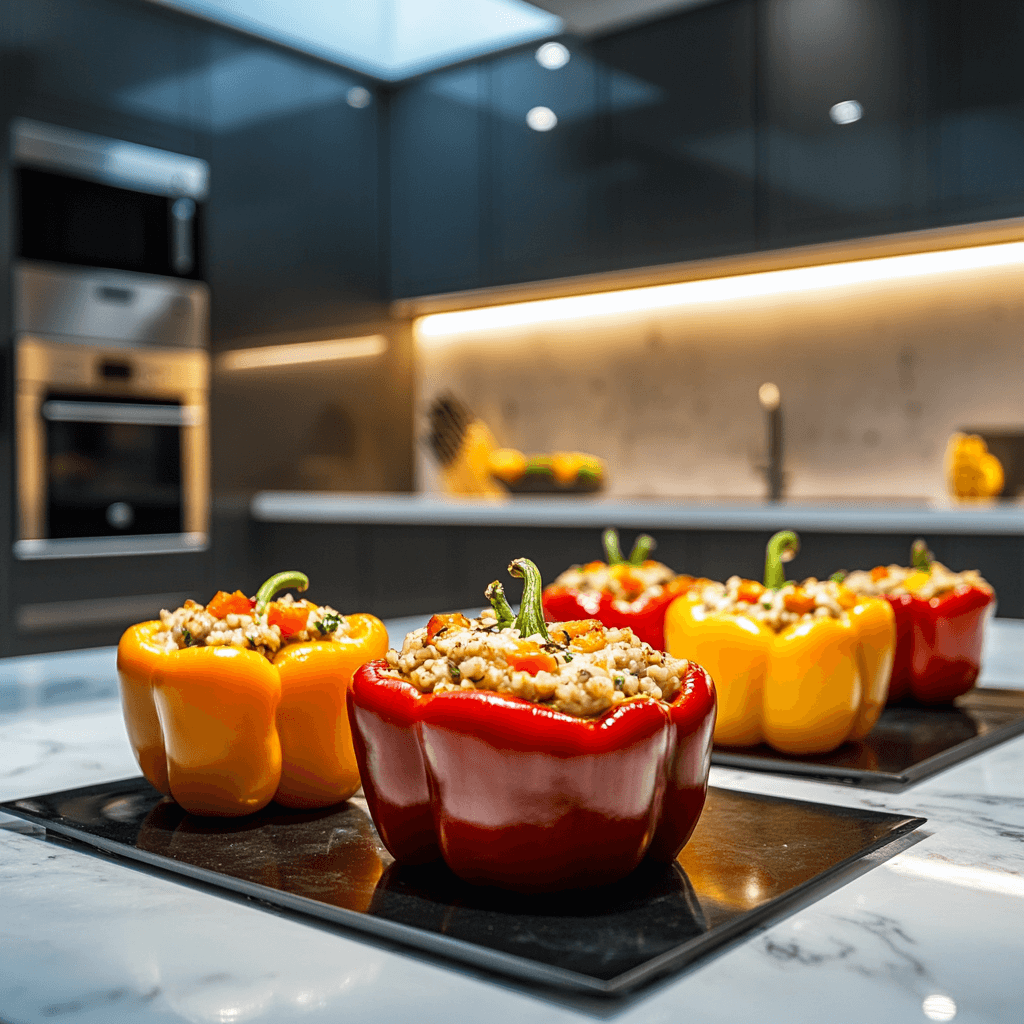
(294, 221)
(114, 67)
(436, 143)
(679, 94)
(843, 87)
(544, 210)
(979, 108)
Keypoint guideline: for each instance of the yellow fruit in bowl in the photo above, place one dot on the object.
(507, 464)
(972, 471)
(568, 467)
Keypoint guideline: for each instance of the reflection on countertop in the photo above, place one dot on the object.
(843, 515)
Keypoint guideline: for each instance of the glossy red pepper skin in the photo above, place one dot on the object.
(512, 794)
(645, 617)
(938, 644)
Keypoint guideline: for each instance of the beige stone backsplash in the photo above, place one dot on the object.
(874, 378)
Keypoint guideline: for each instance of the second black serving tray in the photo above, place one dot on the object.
(909, 743)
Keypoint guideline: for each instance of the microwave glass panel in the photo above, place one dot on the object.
(68, 220)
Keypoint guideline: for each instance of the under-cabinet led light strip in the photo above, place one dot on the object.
(721, 289)
(302, 352)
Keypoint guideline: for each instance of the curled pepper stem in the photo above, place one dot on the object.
(530, 619)
(495, 593)
(612, 552)
(920, 556)
(280, 581)
(782, 547)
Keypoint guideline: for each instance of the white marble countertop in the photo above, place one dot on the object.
(839, 516)
(934, 933)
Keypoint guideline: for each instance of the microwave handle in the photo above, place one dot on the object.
(183, 212)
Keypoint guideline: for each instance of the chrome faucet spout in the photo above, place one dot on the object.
(771, 401)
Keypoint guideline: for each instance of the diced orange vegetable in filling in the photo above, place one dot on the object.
(222, 603)
(587, 643)
(749, 591)
(440, 622)
(879, 573)
(573, 628)
(680, 585)
(530, 658)
(799, 602)
(289, 618)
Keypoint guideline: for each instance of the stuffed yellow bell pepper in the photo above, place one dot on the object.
(801, 667)
(243, 701)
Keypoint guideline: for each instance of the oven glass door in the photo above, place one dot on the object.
(113, 467)
(68, 220)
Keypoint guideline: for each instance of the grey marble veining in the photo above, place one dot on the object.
(935, 933)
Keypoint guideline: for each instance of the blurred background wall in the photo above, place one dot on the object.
(873, 377)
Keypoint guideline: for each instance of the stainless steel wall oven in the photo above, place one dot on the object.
(110, 348)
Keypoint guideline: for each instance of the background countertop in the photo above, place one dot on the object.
(930, 934)
(838, 516)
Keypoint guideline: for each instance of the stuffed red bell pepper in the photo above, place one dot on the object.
(631, 592)
(529, 756)
(940, 624)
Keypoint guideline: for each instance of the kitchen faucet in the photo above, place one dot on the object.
(771, 401)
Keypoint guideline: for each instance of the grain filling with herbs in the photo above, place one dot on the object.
(778, 609)
(224, 623)
(580, 668)
(583, 670)
(899, 579)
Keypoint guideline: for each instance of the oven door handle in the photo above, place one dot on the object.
(57, 411)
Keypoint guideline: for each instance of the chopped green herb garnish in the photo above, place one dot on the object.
(619, 681)
(330, 622)
(453, 670)
(187, 637)
(568, 657)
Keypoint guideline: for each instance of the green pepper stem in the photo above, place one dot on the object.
(530, 619)
(280, 581)
(920, 556)
(642, 547)
(612, 552)
(782, 547)
(495, 593)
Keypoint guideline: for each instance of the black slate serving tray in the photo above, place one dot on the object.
(909, 743)
(751, 858)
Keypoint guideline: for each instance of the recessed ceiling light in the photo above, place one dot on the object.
(846, 112)
(552, 56)
(358, 97)
(541, 119)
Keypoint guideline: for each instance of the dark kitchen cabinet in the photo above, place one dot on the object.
(437, 136)
(823, 179)
(294, 219)
(545, 215)
(680, 100)
(114, 67)
(978, 108)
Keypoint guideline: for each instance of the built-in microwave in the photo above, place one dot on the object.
(87, 200)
